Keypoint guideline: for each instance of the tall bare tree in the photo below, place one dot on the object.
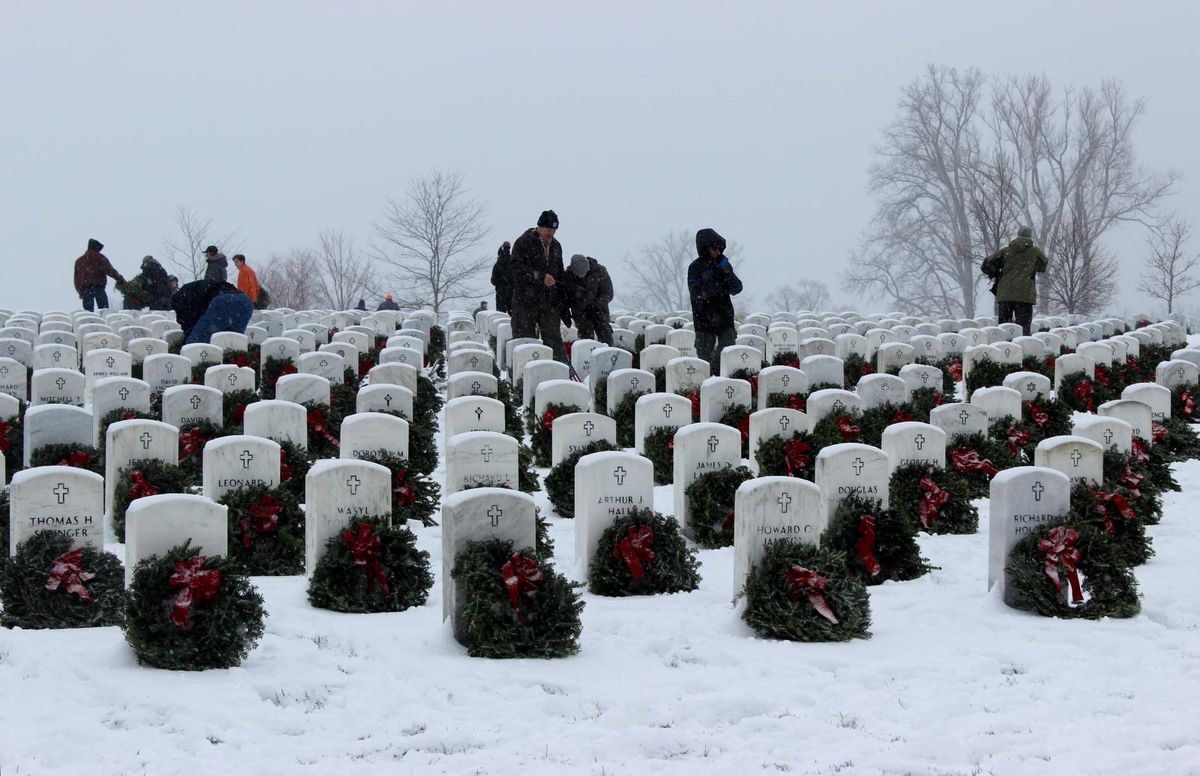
(184, 249)
(1170, 268)
(429, 239)
(345, 275)
(293, 279)
(956, 173)
(802, 295)
(660, 272)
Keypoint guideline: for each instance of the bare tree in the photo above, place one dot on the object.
(956, 174)
(184, 249)
(660, 272)
(428, 239)
(1169, 270)
(803, 295)
(345, 276)
(292, 279)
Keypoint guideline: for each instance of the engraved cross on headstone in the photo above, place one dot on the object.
(729, 391)
(745, 357)
(1037, 491)
(246, 457)
(478, 413)
(146, 439)
(667, 409)
(495, 513)
(588, 427)
(387, 400)
(57, 356)
(475, 387)
(352, 483)
(232, 379)
(195, 402)
(123, 393)
(60, 491)
(784, 422)
(486, 452)
(634, 383)
(712, 443)
(1076, 457)
(170, 367)
(964, 416)
(784, 501)
(919, 441)
(785, 380)
(619, 475)
(858, 465)
(110, 362)
(61, 383)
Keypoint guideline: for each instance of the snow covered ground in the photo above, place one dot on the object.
(952, 682)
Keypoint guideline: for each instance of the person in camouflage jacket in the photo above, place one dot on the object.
(1014, 268)
(587, 291)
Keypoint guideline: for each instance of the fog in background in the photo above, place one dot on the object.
(280, 119)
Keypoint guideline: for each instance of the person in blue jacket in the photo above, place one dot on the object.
(205, 307)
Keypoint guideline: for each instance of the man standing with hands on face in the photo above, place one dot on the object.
(537, 268)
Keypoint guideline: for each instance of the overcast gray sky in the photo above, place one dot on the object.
(628, 118)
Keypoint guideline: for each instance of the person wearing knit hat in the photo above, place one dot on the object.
(536, 270)
(502, 277)
(388, 303)
(1013, 269)
(587, 291)
(92, 271)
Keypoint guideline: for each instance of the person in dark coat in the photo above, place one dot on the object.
(156, 284)
(1014, 269)
(216, 266)
(205, 307)
(362, 305)
(92, 271)
(388, 303)
(537, 268)
(711, 281)
(502, 277)
(587, 291)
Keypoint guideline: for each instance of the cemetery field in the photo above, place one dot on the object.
(951, 682)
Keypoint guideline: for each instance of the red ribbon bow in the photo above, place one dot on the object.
(317, 423)
(191, 443)
(754, 386)
(1107, 502)
(521, 576)
(955, 368)
(367, 549)
(850, 432)
(900, 416)
(264, 518)
(1102, 375)
(365, 366)
(239, 413)
(744, 429)
(1189, 404)
(80, 459)
(932, 501)
(811, 584)
(239, 360)
(67, 573)
(796, 456)
(548, 418)
(1132, 480)
(1083, 392)
(1141, 450)
(866, 544)
(795, 401)
(1158, 432)
(1017, 439)
(5, 442)
(141, 486)
(635, 549)
(969, 461)
(199, 585)
(402, 492)
(1038, 415)
(694, 398)
(1059, 547)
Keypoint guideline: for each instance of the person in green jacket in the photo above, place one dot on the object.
(1014, 269)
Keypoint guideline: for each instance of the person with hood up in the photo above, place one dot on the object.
(92, 271)
(502, 277)
(1014, 269)
(205, 307)
(711, 281)
(587, 291)
(388, 303)
(216, 266)
(155, 285)
(537, 268)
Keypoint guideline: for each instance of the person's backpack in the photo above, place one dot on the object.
(264, 299)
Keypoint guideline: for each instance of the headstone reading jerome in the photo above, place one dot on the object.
(130, 442)
(1021, 499)
(63, 499)
(770, 510)
(719, 394)
(336, 491)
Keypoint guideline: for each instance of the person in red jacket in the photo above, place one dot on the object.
(92, 271)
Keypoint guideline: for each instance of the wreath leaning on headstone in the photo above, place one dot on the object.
(623, 416)
(837, 428)
(233, 410)
(4, 526)
(788, 401)
(922, 401)
(1109, 510)
(854, 368)
(542, 541)
(118, 414)
(560, 482)
(1184, 404)
(600, 399)
(793, 456)
(659, 447)
(415, 496)
(46, 584)
(78, 456)
(147, 478)
(294, 464)
(1153, 462)
(710, 499)
(324, 430)
(540, 436)
(643, 553)
(370, 566)
(527, 478)
(266, 530)
(192, 439)
(986, 373)
(1070, 571)
(1044, 417)
(1144, 494)
(12, 443)
(801, 592)
(273, 369)
(1178, 438)
(427, 403)
(188, 612)
(932, 499)
(512, 417)
(516, 606)
(738, 416)
(976, 459)
(1077, 392)
(878, 544)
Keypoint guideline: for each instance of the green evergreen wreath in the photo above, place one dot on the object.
(600, 400)
(973, 457)
(540, 430)
(951, 367)
(83, 457)
(643, 553)
(1154, 463)
(738, 417)
(1109, 510)
(659, 447)
(1185, 403)
(932, 499)
(118, 414)
(427, 403)
(233, 409)
(795, 580)
(1059, 548)
(750, 376)
(986, 373)
(1077, 391)
(198, 371)
(560, 482)
(370, 566)
(294, 464)
(516, 606)
(325, 430)
(1020, 439)
(415, 496)
(542, 540)
(47, 585)
(242, 358)
(710, 499)
(837, 428)
(12, 442)
(527, 478)
(854, 368)
(1179, 439)
(148, 478)
(272, 369)
(343, 400)
(1106, 385)
(790, 358)
(1044, 417)
(876, 419)
(660, 379)
(794, 456)
(512, 418)
(788, 401)
(192, 439)
(266, 530)
(878, 544)
(623, 415)
(435, 355)
(216, 626)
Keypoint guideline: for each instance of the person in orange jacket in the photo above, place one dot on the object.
(247, 280)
